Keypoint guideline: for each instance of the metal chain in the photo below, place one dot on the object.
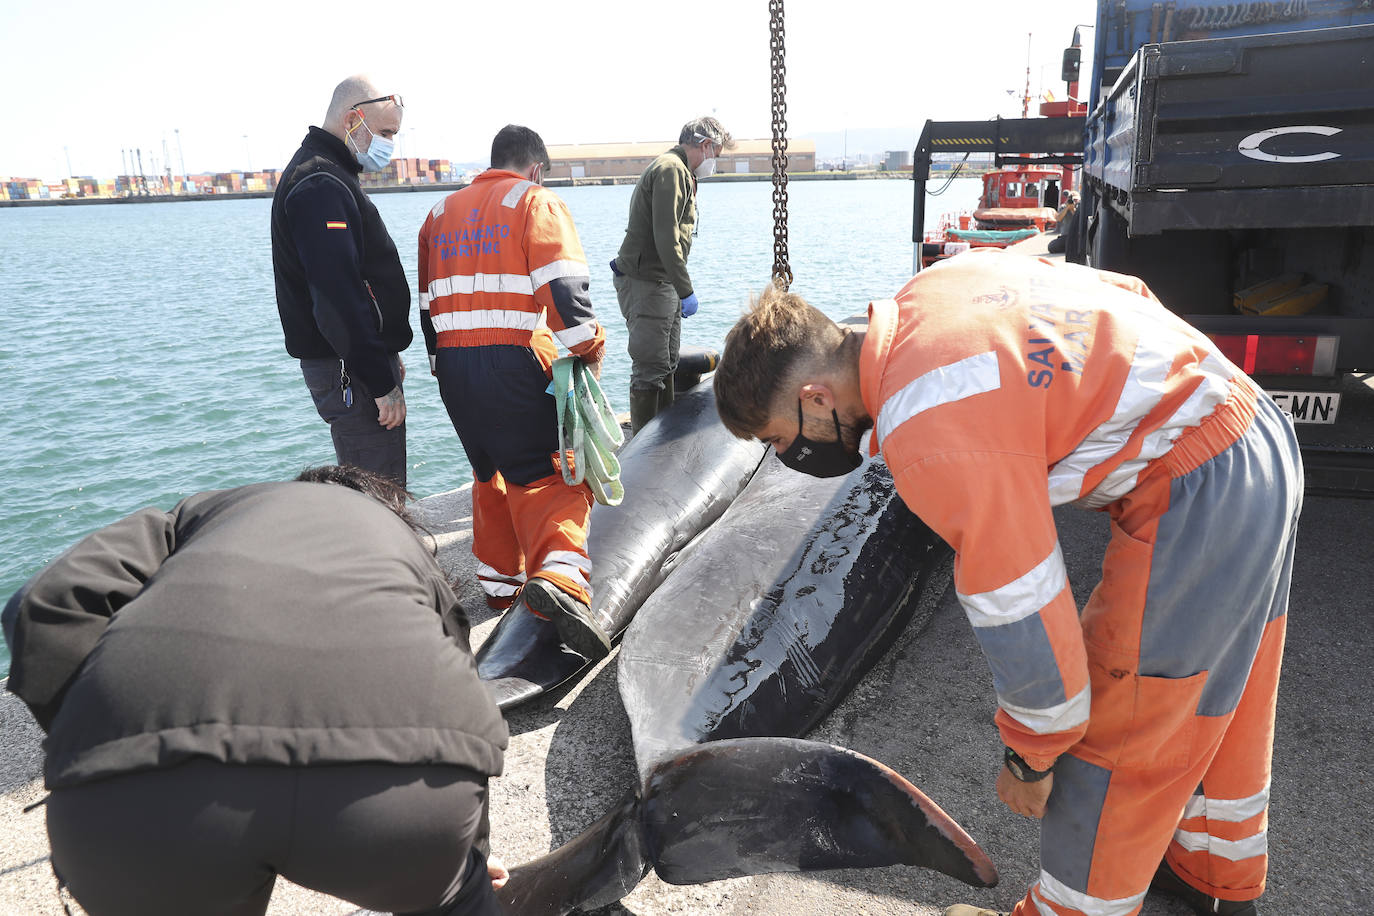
(782, 271)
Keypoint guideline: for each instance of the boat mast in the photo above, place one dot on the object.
(1025, 97)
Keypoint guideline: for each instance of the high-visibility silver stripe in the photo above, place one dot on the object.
(567, 569)
(576, 334)
(424, 301)
(438, 209)
(498, 589)
(1051, 890)
(1072, 713)
(1206, 397)
(558, 270)
(481, 283)
(491, 572)
(1235, 850)
(1019, 598)
(945, 385)
(570, 557)
(1142, 390)
(1231, 810)
(483, 319)
(516, 192)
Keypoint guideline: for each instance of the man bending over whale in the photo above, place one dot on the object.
(269, 680)
(997, 387)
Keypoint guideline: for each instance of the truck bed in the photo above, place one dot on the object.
(1260, 131)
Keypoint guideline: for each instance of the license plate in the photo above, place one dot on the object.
(1309, 406)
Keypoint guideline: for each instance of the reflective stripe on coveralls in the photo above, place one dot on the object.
(498, 586)
(1033, 385)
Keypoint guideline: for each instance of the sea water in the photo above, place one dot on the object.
(141, 355)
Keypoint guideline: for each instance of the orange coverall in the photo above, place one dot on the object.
(1002, 386)
(502, 274)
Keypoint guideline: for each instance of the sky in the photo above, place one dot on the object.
(229, 86)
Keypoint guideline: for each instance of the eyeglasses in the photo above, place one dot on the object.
(396, 99)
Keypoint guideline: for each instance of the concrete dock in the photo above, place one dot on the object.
(926, 710)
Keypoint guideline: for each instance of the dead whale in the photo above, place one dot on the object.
(763, 626)
(680, 473)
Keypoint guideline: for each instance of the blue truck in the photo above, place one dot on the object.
(1227, 159)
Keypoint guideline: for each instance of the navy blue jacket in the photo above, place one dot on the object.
(341, 290)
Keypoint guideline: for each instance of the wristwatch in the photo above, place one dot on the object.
(1022, 770)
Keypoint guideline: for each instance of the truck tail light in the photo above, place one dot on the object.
(1280, 354)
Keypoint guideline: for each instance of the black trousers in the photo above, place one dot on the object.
(210, 838)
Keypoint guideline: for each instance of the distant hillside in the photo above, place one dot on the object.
(862, 141)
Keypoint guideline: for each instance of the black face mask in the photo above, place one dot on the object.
(820, 459)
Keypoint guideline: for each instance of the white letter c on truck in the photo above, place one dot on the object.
(1250, 146)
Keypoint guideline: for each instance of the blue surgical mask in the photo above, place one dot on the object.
(378, 155)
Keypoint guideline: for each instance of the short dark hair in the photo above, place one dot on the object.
(779, 336)
(517, 147)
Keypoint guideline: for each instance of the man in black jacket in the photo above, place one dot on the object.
(341, 291)
(272, 679)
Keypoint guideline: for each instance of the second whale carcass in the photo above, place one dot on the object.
(680, 473)
(764, 625)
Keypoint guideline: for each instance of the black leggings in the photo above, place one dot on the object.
(210, 838)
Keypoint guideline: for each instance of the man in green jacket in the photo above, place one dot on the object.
(651, 279)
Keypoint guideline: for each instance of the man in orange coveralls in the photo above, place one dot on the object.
(502, 274)
(998, 386)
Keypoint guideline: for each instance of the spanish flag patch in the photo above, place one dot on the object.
(335, 224)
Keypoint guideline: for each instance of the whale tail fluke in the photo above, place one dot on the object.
(749, 806)
(597, 868)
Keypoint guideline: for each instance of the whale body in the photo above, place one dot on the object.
(764, 624)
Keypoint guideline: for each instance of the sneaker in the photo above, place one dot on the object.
(963, 909)
(1167, 881)
(571, 617)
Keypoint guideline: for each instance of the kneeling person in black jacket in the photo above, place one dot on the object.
(273, 679)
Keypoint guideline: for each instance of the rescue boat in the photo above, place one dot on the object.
(1018, 201)
(1020, 198)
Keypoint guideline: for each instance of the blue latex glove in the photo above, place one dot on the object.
(689, 306)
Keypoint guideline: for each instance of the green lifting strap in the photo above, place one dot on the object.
(587, 426)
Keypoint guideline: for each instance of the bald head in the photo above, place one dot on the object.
(379, 118)
(350, 92)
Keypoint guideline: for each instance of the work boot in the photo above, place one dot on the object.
(665, 394)
(643, 407)
(1167, 881)
(573, 619)
(963, 909)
